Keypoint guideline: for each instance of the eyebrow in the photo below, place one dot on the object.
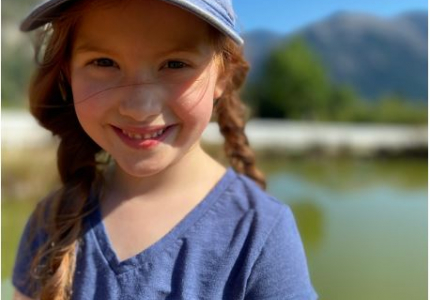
(90, 47)
(184, 47)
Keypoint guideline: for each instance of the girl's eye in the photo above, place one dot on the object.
(104, 63)
(174, 64)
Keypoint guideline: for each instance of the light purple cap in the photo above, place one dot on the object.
(218, 13)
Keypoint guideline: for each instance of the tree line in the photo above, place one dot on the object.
(295, 85)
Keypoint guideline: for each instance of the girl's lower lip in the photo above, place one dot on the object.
(143, 143)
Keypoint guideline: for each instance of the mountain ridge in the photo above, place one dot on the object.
(375, 55)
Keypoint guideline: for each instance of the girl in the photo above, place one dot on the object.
(143, 212)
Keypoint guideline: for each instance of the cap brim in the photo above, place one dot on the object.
(43, 13)
(211, 15)
(48, 11)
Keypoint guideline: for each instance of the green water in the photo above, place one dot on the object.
(363, 225)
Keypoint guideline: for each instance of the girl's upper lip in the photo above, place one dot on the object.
(142, 129)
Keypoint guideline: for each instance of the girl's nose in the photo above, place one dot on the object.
(142, 101)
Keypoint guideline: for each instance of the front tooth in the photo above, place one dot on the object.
(134, 136)
(138, 136)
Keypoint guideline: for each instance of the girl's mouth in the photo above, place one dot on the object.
(143, 139)
(146, 136)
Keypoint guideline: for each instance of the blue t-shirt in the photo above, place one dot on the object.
(238, 243)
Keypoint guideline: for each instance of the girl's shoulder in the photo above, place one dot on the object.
(253, 199)
(243, 204)
(268, 232)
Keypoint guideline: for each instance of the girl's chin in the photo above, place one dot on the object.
(158, 163)
(139, 172)
(144, 169)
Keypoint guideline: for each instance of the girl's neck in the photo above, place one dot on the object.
(177, 181)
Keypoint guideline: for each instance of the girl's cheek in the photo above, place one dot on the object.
(196, 105)
(88, 92)
(196, 102)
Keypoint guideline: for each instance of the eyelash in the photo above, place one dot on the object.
(107, 63)
(176, 62)
(101, 62)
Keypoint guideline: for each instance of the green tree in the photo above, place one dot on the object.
(17, 63)
(396, 109)
(342, 100)
(17, 68)
(294, 84)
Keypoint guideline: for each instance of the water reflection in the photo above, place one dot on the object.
(363, 225)
(310, 221)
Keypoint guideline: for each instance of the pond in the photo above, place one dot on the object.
(363, 224)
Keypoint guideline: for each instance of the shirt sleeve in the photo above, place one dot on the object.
(31, 239)
(280, 271)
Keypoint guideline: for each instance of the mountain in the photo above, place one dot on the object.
(375, 55)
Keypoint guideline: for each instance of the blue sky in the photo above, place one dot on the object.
(284, 16)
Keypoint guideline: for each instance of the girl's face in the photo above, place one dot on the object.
(144, 77)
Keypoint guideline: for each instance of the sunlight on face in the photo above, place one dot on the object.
(173, 53)
(130, 71)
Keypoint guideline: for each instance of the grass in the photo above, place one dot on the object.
(27, 176)
(14, 217)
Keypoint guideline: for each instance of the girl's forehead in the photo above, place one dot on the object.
(142, 20)
(145, 15)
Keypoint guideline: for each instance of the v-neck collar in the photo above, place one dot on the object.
(101, 238)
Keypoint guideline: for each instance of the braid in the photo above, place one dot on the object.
(55, 259)
(76, 164)
(230, 112)
(65, 224)
(61, 216)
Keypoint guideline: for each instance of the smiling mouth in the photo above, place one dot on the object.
(143, 135)
(146, 136)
